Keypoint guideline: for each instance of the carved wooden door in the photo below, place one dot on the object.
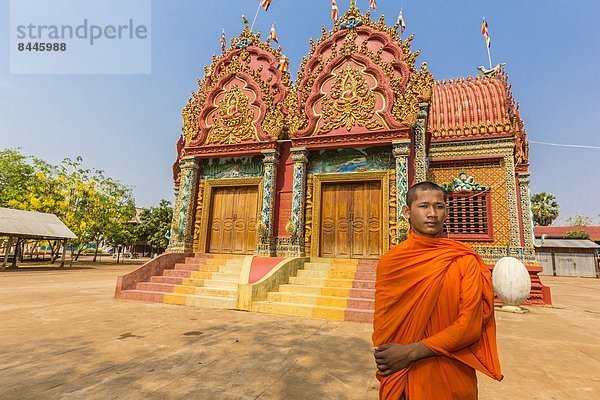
(351, 220)
(232, 227)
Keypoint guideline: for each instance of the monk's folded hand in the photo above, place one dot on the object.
(392, 357)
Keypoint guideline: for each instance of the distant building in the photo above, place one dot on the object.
(564, 256)
(140, 247)
(560, 232)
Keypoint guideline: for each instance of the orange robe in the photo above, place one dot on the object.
(437, 292)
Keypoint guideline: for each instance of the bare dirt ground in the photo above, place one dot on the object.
(65, 337)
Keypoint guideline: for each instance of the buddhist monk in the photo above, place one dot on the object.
(434, 310)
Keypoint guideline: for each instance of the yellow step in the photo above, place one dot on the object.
(300, 310)
(337, 283)
(309, 299)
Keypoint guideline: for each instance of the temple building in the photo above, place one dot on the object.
(318, 168)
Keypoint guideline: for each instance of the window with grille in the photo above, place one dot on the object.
(469, 216)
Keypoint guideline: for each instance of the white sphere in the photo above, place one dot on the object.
(511, 281)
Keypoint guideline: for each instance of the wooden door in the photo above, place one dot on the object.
(351, 220)
(232, 226)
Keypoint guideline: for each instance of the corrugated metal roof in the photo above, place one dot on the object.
(32, 224)
(570, 243)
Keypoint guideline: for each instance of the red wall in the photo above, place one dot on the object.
(283, 194)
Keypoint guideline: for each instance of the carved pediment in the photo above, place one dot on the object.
(240, 99)
(359, 77)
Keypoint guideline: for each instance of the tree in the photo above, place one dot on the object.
(154, 224)
(577, 235)
(580, 220)
(17, 174)
(94, 207)
(115, 209)
(544, 208)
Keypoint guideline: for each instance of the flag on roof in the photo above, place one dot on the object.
(373, 4)
(265, 4)
(223, 39)
(273, 34)
(401, 22)
(485, 32)
(284, 64)
(334, 10)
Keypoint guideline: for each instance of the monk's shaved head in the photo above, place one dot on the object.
(412, 194)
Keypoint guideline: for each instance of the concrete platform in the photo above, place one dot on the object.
(65, 337)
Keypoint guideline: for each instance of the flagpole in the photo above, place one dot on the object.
(489, 56)
(255, 16)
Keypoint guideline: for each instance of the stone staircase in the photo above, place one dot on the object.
(335, 289)
(205, 280)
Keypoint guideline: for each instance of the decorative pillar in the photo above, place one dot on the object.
(181, 240)
(295, 226)
(525, 196)
(267, 241)
(401, 151)
(420, 145)
(511, 187)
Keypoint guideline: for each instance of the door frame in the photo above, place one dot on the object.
(319, 179)
(205, 203)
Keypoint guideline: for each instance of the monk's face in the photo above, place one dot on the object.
(427, 213)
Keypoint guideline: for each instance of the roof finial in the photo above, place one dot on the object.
(352, 3)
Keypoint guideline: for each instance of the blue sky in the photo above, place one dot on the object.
(127, 125)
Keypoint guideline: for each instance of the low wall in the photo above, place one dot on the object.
(154, 267)
(279, 275)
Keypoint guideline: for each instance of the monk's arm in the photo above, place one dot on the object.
(467, 328)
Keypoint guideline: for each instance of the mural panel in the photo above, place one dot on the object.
(237, 167)
(351, 160)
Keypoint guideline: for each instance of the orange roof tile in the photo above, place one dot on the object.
(473, 108)
(561, 231)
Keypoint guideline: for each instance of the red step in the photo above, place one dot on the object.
(360, 284)
(356, 315)
(361, 304)
(173, 280)
(142, 295)
(187, 267)
(365, 275)
(195, 260)
(362, 293)
(177, 273)
(155, 287)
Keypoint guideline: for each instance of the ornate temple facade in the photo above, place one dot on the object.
(320, 167)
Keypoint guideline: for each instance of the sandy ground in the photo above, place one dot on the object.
(65, 337)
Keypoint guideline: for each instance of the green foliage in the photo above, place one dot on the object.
(17, 174)
(544, 208)
(96, 208)
(154, 224)
(577, 235)
(580, 220)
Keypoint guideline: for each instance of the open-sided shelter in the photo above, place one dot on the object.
(20, 224)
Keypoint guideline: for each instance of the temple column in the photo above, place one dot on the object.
(420, 143)
(511, 187)
(267, 243)
(401, 151)
(295, 226)
(525, 196)
(182, 237)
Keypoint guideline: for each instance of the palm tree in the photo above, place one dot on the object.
(544, 208)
